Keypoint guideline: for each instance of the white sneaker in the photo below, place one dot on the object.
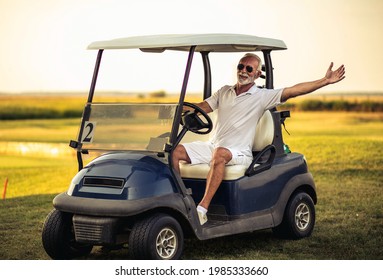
(202, 215)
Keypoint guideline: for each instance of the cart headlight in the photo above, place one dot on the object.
(71, 188)
(76, 180)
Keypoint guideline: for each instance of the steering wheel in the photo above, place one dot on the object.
(192, 121)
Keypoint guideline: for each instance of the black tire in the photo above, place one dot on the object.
(157, 237)
(299, 218)
(58, 237)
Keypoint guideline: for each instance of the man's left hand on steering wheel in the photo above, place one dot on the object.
(192, 121)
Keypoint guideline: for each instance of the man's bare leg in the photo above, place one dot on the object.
(221, 156)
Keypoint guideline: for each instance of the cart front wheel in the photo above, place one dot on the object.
(58, 237)
(157, 237)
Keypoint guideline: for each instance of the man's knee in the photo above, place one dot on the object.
(221, 156)
(180, 153)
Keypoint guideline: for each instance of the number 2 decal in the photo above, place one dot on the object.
(88, 132)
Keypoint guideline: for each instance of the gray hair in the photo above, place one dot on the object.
(257, 58)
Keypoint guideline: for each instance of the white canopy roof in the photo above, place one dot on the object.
(183, 42)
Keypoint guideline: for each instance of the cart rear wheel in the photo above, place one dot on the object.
(157, 237)
(299, 218)
(58, 237)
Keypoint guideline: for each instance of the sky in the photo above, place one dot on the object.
(44, 42)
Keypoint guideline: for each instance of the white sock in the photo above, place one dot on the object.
(201, 209)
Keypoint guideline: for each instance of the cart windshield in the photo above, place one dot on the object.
(125, 126)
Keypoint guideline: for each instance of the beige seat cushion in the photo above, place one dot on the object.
(200, 171)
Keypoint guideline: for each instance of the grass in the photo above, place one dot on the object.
(344, 153)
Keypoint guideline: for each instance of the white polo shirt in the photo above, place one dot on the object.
(237, 116)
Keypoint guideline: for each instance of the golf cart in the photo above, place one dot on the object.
(130, 194)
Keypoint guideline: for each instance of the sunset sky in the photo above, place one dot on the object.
(43, 42)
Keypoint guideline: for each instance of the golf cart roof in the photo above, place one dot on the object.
(183, 42)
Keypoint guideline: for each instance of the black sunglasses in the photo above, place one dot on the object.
(249, 69)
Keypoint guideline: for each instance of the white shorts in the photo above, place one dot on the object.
(202, 152)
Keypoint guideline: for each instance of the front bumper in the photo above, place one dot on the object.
(117, 208)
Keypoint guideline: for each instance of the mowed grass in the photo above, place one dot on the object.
(344, 153)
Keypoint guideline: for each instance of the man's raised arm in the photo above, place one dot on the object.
(331, 77)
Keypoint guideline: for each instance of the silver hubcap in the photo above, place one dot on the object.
(302, 216)
(166, 243)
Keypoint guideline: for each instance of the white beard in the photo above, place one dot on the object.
(244, 79)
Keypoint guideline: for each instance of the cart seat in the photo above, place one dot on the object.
(264, 136)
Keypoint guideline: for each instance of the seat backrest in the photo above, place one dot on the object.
(264, 133)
